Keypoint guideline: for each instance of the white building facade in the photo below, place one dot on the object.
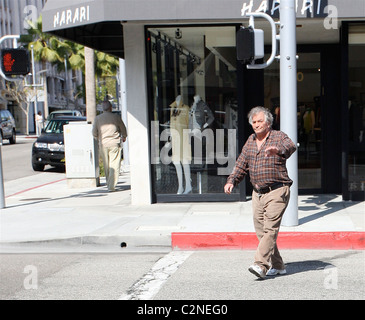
(186, 48)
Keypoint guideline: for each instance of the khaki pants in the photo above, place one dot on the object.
(268, 210)
(111, 158)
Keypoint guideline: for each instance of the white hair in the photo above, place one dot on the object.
(268, 116)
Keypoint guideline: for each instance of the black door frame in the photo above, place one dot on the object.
(344, 125)
(330, 94)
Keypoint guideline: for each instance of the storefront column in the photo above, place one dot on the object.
(135, 69)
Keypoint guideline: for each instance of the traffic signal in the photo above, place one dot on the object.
(15, 61)
(250, 44)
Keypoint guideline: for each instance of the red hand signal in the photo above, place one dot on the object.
(8, 62)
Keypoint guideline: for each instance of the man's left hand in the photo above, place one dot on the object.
(271, 151)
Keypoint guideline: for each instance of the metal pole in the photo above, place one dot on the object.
(36, 91)
(288, 99)
(66, 79)
(266, 64)
(2, 192)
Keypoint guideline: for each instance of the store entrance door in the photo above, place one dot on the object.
(309, 121)
(309, 110)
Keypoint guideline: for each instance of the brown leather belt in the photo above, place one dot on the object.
(269, 188)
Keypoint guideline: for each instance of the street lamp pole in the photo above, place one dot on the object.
(288, 90)
(2, 192)
(34, 83)
(288, 100)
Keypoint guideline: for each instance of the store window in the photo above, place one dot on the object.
(193, 110)
(356, 109)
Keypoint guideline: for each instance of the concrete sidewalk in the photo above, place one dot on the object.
(48, 211)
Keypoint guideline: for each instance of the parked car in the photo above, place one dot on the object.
(49, 148)
(62, 113)
(7, 126)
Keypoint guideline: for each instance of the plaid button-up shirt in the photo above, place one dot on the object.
(264, 171)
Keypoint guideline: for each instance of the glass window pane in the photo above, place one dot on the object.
(194, 108)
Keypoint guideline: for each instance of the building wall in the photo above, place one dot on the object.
(137, 104)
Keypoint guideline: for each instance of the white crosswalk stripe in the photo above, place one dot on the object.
(150, 284)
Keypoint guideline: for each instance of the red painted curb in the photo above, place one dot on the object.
(286, 240)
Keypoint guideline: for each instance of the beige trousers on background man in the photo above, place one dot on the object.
(111, 157)
(268, 210)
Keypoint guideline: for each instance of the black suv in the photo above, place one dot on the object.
(7, 126)
(49, 147)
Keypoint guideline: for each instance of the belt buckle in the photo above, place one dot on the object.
(259, 192)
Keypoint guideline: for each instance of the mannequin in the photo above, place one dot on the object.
(201, 117)
(308, 125)
(181, 152)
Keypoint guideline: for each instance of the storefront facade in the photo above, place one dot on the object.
(188, 97)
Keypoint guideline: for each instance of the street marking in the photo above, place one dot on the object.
(151, 283)
(33, 188)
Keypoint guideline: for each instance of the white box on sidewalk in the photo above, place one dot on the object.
(81, 154)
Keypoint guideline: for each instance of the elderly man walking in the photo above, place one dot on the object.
(110, 130)
(264, 157)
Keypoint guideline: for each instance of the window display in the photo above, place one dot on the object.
(193, 104)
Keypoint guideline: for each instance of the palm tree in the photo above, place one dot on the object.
(106, 65)
(46, 48)
(74, 59)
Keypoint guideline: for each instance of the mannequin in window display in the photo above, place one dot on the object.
(200, 118)
(309, 120)
(181, 150)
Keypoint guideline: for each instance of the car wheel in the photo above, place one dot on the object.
(37, 166)
(12, 140)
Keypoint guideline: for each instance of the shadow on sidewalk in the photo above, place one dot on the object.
(100, 191)
(324, 204)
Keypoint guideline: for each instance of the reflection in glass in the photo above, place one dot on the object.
(194, 108)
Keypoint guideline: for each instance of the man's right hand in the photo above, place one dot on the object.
(228, 188)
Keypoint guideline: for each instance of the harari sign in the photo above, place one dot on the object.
(71, 16)
(307, 8)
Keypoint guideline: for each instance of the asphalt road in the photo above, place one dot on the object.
(59, 272)
(16, 159)
(191, 276)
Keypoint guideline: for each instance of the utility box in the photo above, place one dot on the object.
(81, 155)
